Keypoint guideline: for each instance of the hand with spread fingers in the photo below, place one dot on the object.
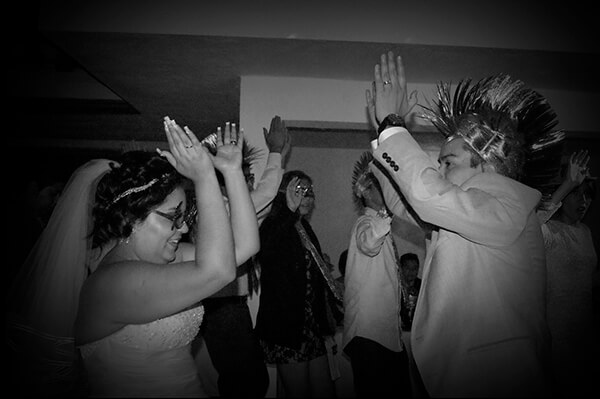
(229, 148)
(389, 95)
(186, 154)
(578, 170)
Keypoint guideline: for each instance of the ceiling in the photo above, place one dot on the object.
(100, 72)
(196, 79)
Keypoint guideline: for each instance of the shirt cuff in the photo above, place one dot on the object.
(374, 144)
(390, 132)
(274, 158)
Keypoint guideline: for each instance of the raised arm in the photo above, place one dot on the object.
(492, 212)
(192, 163)
(371, 233)
(228, 161)
(389, 92)
(126, 290)
(577, 171)
(278, 142)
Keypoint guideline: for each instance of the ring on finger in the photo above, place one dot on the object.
(387, 82)
(233, 142)
(189, 146)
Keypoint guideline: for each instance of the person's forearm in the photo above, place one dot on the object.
(243, 216)
(266, 189)
(562, 191)
(214, 245)
(547, 209)
(371, 234)
(485, 213)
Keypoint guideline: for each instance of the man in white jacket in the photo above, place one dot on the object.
(479, 328)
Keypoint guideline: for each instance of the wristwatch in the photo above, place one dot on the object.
(391, 120)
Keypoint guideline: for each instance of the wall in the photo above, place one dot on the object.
(343, 101)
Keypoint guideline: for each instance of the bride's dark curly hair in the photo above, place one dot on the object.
(134, 186)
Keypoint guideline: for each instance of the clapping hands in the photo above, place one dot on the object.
(229, 148)
(190, 158)
(186, 153)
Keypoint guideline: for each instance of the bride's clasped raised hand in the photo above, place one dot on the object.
(186, 154)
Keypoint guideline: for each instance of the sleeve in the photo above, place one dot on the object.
(266, 189)
(371, 232)
(546, 210)
(393, 197)
(490, 212)
(384, 135)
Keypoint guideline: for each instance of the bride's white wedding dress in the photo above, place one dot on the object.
(145, 360)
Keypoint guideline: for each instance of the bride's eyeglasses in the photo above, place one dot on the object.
(179, 217)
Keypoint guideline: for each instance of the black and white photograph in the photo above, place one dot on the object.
(318, 199)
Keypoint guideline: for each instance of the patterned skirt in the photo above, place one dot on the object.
(313, 343)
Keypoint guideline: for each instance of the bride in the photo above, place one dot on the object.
(128, 294)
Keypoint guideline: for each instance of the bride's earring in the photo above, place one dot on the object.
(126, 240)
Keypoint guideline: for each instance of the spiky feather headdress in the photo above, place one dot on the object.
(362, 179)
(506, 124)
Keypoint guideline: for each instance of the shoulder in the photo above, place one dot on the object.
(504, 187)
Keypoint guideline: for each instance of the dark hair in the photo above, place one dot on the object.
(587, 187)
(280, 201)
(342, 262)
(288, 176)
(114, 214)
(407, 257)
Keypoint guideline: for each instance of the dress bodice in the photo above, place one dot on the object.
(152, 359)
